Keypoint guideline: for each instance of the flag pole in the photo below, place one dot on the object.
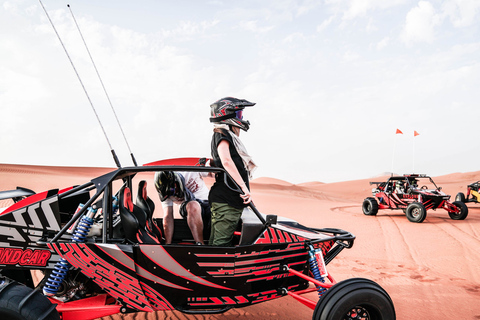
(393, 155)
(415, 133)
(413, 154)
(394, 145)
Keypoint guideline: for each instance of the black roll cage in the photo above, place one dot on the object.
(103, 185)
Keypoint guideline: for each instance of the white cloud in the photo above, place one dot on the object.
(325, 23)
(462, 13)
(383, 43)
(360, 8)
(252, 26)
(420, 24)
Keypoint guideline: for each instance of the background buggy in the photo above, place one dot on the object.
(414, 194)
(473, 194)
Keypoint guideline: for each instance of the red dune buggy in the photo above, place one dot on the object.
(414, 194)
(102, 252)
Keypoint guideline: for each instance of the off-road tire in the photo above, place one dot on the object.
(463, 211)
(416, 212)
(19, 302)
(355, 298)
(370, 206)
(460, 197)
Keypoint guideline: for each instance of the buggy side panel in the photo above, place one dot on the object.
(112, 267)
(26, 224)
(199, 277)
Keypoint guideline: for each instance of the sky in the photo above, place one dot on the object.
(332, 81)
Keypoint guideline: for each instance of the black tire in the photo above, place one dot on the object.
(370, 206)
(364, 297)
(416, 212)
(463, 211)
(460, 197)
(18, 302)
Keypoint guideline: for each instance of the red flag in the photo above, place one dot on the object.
(398, 131)
(415, 133)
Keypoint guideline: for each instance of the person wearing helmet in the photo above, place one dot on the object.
(229, 153)
(188, 190)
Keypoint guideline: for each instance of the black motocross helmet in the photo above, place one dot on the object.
(230, 111)
(168, 184)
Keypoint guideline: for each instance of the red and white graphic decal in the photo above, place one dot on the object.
(157, 301)
(128, 262)
(117, 283)
(216, 301)
(158, 255)
(26, 225)
(273, 235)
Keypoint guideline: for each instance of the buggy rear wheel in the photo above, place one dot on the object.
(460, 197)
(355, 298)
(370, 206)
(416, 212)
(18, 302)
(459, 215)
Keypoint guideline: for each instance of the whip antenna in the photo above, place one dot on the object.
(115, 158)
(105, 90)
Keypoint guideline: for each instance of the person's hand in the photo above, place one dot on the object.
(246, 196)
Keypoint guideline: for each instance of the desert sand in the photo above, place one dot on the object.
(431, 270)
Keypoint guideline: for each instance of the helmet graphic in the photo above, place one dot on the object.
(229, 111)
(168, 184)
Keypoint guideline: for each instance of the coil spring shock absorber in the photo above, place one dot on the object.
(61, 268)
(315, 259)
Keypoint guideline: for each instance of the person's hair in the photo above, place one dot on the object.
(220, 130)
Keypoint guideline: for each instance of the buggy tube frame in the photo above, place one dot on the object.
(298, 295)
(102, 183)
(450, 207)
(88, 308)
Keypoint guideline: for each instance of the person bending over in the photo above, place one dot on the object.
(188, 190)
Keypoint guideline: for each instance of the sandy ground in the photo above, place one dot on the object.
(431, 270)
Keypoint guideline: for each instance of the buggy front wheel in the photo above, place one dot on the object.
(416, 212)
(370, 206)
(462, 207)
(19, 302)
(355, 298)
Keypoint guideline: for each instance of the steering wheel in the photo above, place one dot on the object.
(424, 188)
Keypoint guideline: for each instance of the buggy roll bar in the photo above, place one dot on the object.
(103, 185)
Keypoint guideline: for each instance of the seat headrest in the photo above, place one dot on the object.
(127, 199)
(142, 189)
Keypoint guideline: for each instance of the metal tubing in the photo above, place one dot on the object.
(312, 280)
(307, 302)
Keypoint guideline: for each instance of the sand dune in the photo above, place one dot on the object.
(431, 270)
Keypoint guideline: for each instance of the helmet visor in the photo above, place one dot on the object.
(239, 114)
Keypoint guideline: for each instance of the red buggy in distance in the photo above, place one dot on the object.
(414, 194)
(102, 252)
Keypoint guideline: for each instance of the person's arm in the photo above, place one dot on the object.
(168, 223)
(229, 165)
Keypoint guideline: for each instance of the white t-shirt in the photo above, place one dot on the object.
(193, 182)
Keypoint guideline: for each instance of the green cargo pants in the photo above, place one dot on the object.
(224, 222)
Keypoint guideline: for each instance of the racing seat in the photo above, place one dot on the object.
(133, 219)
(147, 205)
